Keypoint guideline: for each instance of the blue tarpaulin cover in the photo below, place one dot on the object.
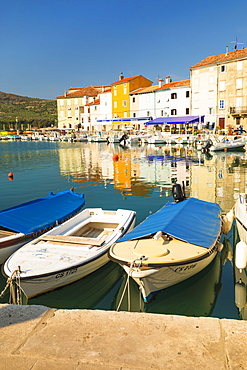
(192, 220)
(176, 120)
(42, 213)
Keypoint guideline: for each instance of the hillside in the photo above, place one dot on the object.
(38, 112)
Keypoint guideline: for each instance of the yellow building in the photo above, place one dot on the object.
(120, 94)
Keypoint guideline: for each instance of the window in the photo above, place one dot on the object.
(239, 83)
(125, 90)
(133, 99)
(187, 94)
(115, 104)
(187, 111)
(76, 101)
(174, 96)
(62, 114)
(222, 103)
(148, 113)
(222, 85)
(115, 91)
(239, 65)
(196, 96)
(162, 113)
(61, 103)
(222, 68)
(95, 107)
(69, 113)
(196, 81)
(210, 110)
(211, 79)
(211, 94)
(68, 102)
(173, 112)
(124, 103)
(134, 115)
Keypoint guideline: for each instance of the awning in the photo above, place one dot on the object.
(176, 120)
(125, 119)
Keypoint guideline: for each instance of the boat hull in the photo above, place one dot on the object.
(154, 280)
(38, 285)
(56, 259)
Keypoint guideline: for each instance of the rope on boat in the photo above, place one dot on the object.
(14, 285)
(127, 284)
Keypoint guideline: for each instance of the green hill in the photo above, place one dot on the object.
(26, 111)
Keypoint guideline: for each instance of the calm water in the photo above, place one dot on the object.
(141, 179)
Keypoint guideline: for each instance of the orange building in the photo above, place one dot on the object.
(120, 94)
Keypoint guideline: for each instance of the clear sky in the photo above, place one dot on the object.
(48, 46)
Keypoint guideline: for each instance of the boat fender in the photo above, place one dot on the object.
(227, 221)
(240, 294)
(178, 193)
(241, 255)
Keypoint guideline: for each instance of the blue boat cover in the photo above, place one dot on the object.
(192, 220)
(42, 213)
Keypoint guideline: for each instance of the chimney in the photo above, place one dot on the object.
(103, 89)
(226, 51)
(168, 79)
(121, 76)
(65, 93)
(161, 82)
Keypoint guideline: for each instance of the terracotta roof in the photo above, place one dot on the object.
(143, 90)
(96, 102)
(124, 80)
(221, 58)
(170, 85)
(74, 92)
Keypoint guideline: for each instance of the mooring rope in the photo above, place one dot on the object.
(15, 289)
(127, 284)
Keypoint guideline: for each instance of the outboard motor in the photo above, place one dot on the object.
(208, 145)
(178, 193)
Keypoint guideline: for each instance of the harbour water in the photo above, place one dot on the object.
(138, 178)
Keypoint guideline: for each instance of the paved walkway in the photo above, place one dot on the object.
(38, 338)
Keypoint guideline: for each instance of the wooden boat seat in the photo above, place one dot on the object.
(72, 239)
(4, 233)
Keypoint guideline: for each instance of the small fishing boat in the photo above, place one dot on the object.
(20, 224)
(240, 214)
(68, 252)
(171, 245)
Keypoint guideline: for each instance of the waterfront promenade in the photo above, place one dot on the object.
(37, 338)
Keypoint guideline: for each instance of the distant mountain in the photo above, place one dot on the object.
(38, 112)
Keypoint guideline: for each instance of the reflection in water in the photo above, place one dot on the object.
(85, 293)
(140, 179)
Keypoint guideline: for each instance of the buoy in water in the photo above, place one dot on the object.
(10, 176)
(115, 157)
(225, 149)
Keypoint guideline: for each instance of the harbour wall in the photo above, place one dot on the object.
(38, 337)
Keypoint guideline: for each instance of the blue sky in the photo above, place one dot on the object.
(48, 46)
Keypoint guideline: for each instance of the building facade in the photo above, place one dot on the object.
(219, 90)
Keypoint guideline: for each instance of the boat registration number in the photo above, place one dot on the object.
(66, 273)
(185, 268)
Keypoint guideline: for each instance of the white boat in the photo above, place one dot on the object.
(240, 213)
(225, 144)
(173, 244)
(240, 271)
(157, 138)
(69, 252)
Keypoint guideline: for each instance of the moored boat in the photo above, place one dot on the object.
(20, 224)
(171, 245)
(68, 252)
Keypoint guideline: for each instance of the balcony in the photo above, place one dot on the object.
(238, 110)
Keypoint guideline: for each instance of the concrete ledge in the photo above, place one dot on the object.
(36, 337)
